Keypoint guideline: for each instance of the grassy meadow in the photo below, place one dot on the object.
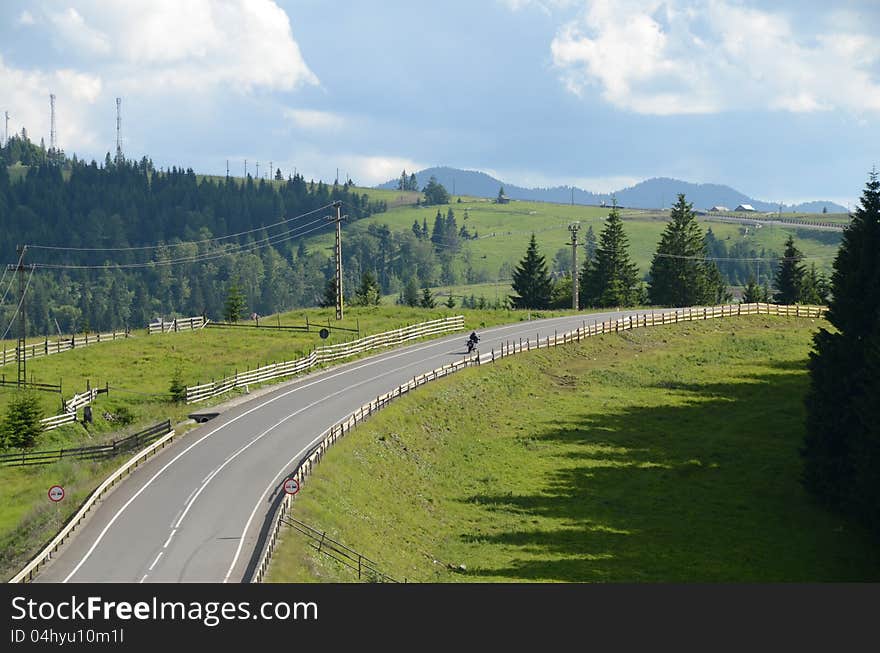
(504, 230)
(658, 455)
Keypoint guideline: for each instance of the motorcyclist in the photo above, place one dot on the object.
(472, 341)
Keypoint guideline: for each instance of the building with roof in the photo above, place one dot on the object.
(746, 207)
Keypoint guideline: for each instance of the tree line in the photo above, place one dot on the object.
(683, 271)
(162, 240)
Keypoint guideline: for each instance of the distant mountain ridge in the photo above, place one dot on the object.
(653, 193)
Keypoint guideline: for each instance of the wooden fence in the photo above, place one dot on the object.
(647, 319)
(197, 393)
(47, 347)
(97, 452)
(177, 324)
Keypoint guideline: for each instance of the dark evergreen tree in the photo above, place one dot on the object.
(611, 279)
(790, 275)
(680, 275)
(368, 292)
(450, 301)
(328, 299)
(531, 283)
(410, 295)
(435, 193)
(754, 293)
(427, 300)
(841, 449)
(235, 304)
(590, 245)
(21, 423)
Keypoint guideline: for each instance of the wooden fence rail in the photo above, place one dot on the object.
(639, 320)
(97, 452)
(329, 353)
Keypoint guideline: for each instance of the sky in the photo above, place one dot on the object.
(780, 100)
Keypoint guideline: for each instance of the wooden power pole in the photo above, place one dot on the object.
(338, 218)
(20, 356)
(573, 228)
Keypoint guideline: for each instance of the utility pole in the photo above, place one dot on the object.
(119, 157)
(52, 136)
(338, 250)
(574, 228)
(22, 317)
(6, 142)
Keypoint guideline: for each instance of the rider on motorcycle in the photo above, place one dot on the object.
(472, 341)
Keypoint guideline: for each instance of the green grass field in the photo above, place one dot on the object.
(658, 455)
(504, 231)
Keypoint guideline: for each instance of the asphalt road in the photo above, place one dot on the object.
(194, 512)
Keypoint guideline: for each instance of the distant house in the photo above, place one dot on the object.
(503, 199)
(746, 207)
(718, 208)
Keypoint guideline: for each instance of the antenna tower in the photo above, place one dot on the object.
(118, 130)
(7, 129)
(52, 143)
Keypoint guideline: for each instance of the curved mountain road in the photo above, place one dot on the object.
(194, 512)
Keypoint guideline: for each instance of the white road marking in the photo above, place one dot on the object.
(347, 369)
(155, 561)
(143, 579)
(168, 541)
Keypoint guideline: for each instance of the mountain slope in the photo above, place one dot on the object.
(652, 193)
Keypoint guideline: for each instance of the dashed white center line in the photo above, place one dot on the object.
(155, 561)
(144, 578)
(168, 541)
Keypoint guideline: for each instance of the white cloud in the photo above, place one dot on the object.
(669, 57)
(315, 120)
(27, 100)
(26, 18)
(72, 30)
(240, 45)
(363, 169)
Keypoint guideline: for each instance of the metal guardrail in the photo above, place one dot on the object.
(26, 575)
(97, 452)
(647, 319)
(197, 393)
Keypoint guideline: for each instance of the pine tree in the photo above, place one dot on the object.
(754, 293)
(590, 244)
(368, 293)
(328, 300)
(680, 274)
(790, 275)
(21, 424)
(235, 303)
(427, 300)
(611, 279)
(411, 292)
(841, 450)
(531, 283)
(450, 302)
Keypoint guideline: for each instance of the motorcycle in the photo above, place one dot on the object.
(471, 345)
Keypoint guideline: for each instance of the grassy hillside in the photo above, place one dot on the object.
(664, 454)
(504, 231)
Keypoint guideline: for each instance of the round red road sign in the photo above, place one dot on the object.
(56, 493)
(291, 486)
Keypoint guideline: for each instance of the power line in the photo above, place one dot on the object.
(207, 256)
(191, 242)
(11, 279)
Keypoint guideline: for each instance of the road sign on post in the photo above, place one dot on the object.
(56, 493)
(291, 486)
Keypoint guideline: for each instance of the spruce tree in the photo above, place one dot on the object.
(611, 279)
(235, 303)
(790, 275)
(427, 300)
(410, 296)
(841, 449)
(328, 300)
(21, 424)
(590, 244)
(680, 274)
(754, 293)
(531, 283)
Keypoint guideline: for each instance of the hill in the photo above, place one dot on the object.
(658, 192)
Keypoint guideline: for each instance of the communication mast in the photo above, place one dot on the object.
(119, 157)
(52, 143)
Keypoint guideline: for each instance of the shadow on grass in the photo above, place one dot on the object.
(702, 489)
